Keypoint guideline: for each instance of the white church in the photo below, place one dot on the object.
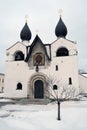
(29, 66)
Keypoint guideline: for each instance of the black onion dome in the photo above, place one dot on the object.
(25, 33)
(61, 30)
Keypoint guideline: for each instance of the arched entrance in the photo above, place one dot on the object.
(38, 86)
(38, 89)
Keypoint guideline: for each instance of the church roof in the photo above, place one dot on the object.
(2, 74)
(32, 46)
(60, 30)
(16, 44)
(73, 42)
(25, 33)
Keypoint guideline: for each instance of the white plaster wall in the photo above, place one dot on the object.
(12, 50)
(15, 73)
(61, 42)
(67, 65)
(83, 83)
(19, 71)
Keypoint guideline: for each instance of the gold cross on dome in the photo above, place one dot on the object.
(26, 18)
(60, 12)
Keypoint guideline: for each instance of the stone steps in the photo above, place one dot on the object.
(33, 101)
(25, 101)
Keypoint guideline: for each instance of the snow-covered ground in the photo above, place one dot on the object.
(44, 117)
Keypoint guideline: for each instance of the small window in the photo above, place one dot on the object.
(19, 56)
(19, 86)
(54, 87)
(56, 67)
(70, 81)
(2, 80)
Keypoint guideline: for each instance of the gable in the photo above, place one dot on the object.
(37, 47)
(64, 43)
(16, 44)
(17, 47)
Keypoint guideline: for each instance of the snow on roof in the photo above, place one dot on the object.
(84, 74)
(2, 74)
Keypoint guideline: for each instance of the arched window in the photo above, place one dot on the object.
(56, 67)
(19, 86)
(70, 80)
(62, 52)
(54, 87)
(19, 56)
(2, 80)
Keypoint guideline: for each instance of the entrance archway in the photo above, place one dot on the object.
(38, 89)
(38, 86)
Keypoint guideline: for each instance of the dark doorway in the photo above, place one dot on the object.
(38, 89)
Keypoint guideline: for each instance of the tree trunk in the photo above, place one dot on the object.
(58, 103)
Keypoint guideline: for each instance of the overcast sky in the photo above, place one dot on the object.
(43, 16)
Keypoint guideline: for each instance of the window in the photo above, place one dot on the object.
(2, 80)
(56, 67)
(54, 87)
(19, 86)
(70, 80)
(62, 52)
(19, 56)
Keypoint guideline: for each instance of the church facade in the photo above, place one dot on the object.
(31, 66)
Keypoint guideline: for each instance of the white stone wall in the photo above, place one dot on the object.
(20, 71)
(83, 84)
(10, 52)
(67, 65)
(15, 72)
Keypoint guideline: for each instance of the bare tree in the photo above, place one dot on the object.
(59, 91)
